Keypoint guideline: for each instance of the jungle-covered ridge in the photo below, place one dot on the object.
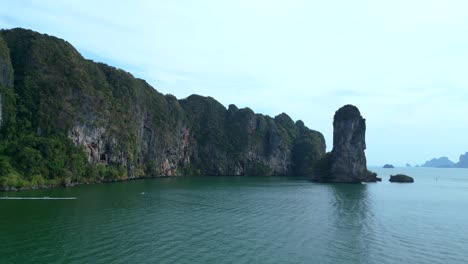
(66, 119)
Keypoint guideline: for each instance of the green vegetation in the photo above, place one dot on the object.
(308, 151)
(67, 120)
(322, 167)
(54, 88)
(40, 161)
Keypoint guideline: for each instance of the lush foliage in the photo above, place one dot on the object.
(66, 120)
(41, 161)
(54, 88)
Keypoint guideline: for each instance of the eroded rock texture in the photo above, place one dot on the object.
(347, 161)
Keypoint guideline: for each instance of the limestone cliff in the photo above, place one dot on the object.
(74, 120)
(347, 161)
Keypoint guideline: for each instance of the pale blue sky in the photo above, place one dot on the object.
(404, 63)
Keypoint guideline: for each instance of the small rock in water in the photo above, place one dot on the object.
(401, 178)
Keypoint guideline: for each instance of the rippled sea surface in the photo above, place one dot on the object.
(243, 220)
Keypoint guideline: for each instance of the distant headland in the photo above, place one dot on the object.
(66, 120)
(444, 162)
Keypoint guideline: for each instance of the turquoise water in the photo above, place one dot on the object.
(243, 220)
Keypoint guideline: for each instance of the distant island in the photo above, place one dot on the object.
(388, 166)
(444, 162)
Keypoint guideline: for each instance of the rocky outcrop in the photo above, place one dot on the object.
(347, 162)
(92, 139)
(401, 178)
(388, 166)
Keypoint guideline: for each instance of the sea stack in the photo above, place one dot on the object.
(347, 161)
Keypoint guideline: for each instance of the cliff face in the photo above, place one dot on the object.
(347, 161)
(73, 120)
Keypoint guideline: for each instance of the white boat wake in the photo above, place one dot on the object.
(37, 198)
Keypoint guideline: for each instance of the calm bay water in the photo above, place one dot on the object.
(243, 220)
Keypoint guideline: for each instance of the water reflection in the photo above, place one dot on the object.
(351, 223)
